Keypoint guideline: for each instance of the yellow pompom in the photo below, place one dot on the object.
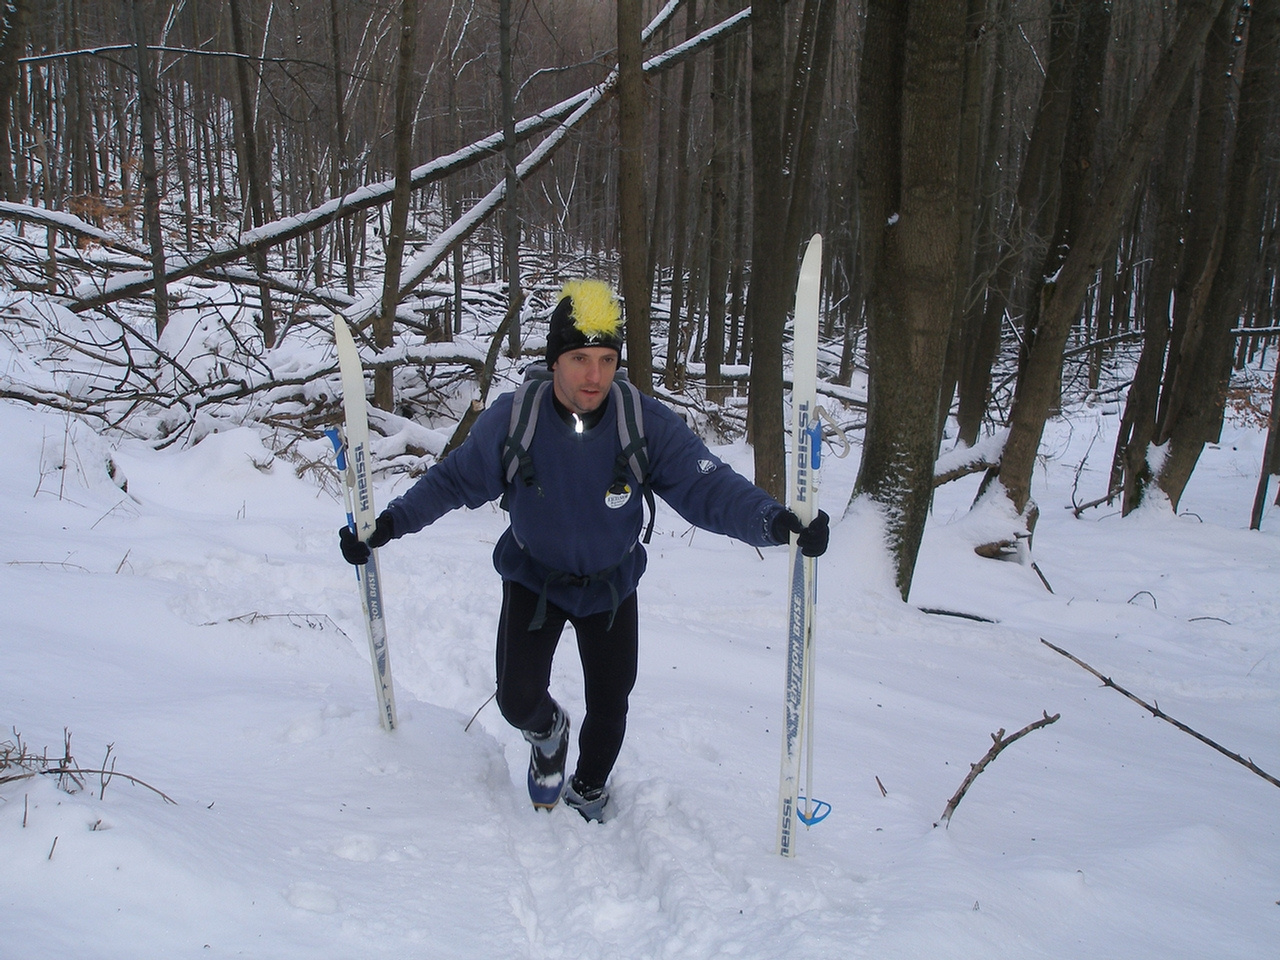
(596, 311)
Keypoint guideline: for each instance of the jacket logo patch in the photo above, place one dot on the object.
(616, 497)
(706, 466)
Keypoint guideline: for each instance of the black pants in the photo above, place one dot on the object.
(608, 670)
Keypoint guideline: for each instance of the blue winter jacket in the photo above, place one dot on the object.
(564, 523)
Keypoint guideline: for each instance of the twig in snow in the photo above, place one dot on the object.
(1155, 711)
(108, 770)
(77, 771)
(999, 742)
(467, 728)
(1154, 605)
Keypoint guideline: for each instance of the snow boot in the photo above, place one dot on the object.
(546, 762)
(590, 802)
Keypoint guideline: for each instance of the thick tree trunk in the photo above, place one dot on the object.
(767, 296)
(911, 297)
(783, 134)
(634, 247)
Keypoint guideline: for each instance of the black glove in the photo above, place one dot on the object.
(357, 551)
(812, 540)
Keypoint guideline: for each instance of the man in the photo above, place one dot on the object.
(572, 552)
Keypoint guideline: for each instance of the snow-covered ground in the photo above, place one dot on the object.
(203, 629)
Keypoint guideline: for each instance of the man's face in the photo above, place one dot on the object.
(581, 378)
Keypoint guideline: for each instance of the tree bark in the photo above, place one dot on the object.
(12, 40)
(150, 170)
(340, 172)
(718, 220)
(783, 130)
(1035, 206)
(634, 248)
(250, 167)
(511, 203)
(912, 225)
(405, 102)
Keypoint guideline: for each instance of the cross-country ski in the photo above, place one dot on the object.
(802, 475)
(355, 464)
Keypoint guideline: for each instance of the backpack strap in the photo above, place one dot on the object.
(527, 401)
(516, 461)
(635, 447)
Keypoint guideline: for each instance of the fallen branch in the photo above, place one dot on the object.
(14, 755)
(999, 742)
(1155, 711)
(78, 771)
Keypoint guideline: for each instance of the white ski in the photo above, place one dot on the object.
(802, 476)
(355, 463)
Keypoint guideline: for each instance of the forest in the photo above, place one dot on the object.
(1025, 204)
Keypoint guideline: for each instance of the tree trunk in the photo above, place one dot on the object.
(511, 202)
(1270, 454)
(150, 174)
(250, 168)
(674, 379)
(634, 249)
(340, 171)
(977, 52)
(783, 131)
(1130, 473)
(1034, 206)
(1199, 419)
(911, 173)
(405, 103)
(718, 183)
(1202, 245)
(1076, 182)
(12, 42)
(1061, 300)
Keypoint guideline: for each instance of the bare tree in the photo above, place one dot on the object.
(250, 167)
(511, 204)
(911, 103)
(405, 102)
(12, 38)
(1062, 299)
(150, 168)
(633, 246)
(786, 107)
(1198, 418)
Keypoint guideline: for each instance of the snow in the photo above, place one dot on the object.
(202, 629)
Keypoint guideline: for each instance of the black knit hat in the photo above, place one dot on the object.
(588, 315)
